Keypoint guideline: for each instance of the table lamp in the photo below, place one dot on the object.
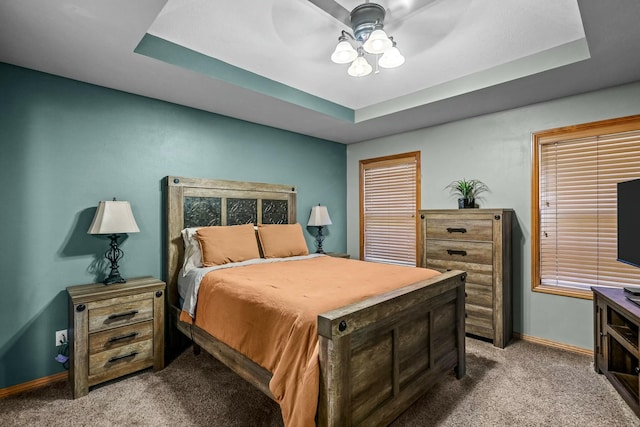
(319, 218)
(113, 218)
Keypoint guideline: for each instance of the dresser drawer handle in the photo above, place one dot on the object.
(456, 230)
(123, 337)
(124, 356)
(128, 313)
(454, 252)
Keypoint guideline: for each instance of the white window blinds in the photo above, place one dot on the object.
(389, 198)
(577, 209)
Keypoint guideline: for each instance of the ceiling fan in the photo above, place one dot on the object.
(396, 10)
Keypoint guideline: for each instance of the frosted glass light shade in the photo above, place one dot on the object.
(392, 58)
(319, 216)
(360, 67)
(344, 53)
(377, 42)
(113, 217)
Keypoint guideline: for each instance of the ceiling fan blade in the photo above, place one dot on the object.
(334, 9)
(402, 10)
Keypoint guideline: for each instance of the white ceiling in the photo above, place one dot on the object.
(267, 61)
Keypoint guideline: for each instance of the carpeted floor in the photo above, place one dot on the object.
(523, 385)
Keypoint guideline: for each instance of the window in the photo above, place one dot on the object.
(574, 215)
(389, 200)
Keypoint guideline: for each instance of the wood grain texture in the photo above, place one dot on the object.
(444, 227)
(376, 356)
(120, 337)
(477, 241)
(127, 312)
(616, 346)
(119, 361)
(177, 188)
(108, 322)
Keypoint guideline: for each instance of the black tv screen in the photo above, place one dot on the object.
(629, 222)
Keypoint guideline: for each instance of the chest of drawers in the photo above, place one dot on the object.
(477, 241)
(115, 330)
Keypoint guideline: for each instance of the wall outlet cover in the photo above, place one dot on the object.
(61, 337)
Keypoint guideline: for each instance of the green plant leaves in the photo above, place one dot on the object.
(467, 189)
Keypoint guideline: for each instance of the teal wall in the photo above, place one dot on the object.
(66, 145)
(496, 148)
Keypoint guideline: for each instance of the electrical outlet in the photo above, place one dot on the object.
(61, 337)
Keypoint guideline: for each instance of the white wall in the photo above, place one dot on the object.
(496, 148)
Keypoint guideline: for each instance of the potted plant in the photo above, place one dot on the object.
(467, 191)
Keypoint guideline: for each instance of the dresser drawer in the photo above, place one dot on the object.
(123, 313)
(120, 361)
(479, 295)
(479, 320)
(120, 337)
(459, 251)
(460, 229)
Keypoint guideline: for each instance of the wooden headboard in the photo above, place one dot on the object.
(196, 202)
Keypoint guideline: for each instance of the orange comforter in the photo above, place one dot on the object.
(269, 313)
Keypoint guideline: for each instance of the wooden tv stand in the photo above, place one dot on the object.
(616, 353)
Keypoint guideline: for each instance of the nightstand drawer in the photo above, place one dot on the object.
(460, 229)
(123, 313)
(119, 337)
(479, 320)
(121, 361)
(462, 252)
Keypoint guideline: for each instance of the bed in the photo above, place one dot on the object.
(376, 356)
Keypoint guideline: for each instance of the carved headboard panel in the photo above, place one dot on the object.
(195, 202)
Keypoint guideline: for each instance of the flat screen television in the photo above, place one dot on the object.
(629, 222)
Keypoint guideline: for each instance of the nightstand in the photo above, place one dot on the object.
(338, 255)
(114, 330)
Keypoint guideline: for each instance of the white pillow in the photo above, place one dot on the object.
(192, 252)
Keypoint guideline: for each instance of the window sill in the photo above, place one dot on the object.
(565, 292)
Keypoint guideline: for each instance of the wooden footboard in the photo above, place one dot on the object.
(378, 356)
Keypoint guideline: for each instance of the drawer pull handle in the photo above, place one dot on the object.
(454, 252)
(128, 313)
(124, 356)
(456, 230)
(123, 337)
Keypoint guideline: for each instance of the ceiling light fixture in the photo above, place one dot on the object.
(367, 23)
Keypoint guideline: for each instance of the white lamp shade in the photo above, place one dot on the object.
(377, 42)
(344, 53)
(113, 217)
(360, 67)
(392, 58)
(319, 216)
